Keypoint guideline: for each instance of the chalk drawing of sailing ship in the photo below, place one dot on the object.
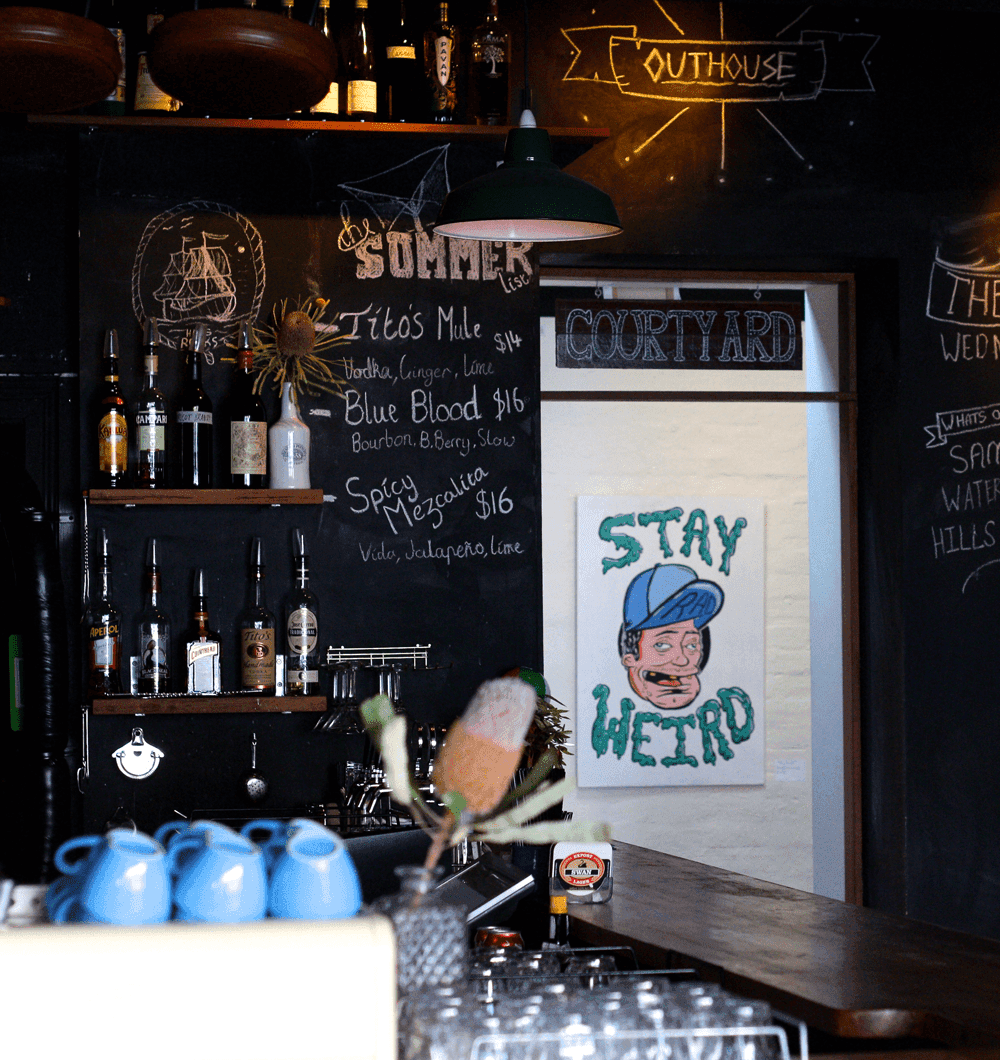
(198, 282)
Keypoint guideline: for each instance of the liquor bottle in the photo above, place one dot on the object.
(288, 446)
(153, 631)
(301, 630)
(149, 98)
(112, 15)
(441, 66)
(558, 934)
(361, 74)
(490, 70)
(103, 632)
(288, 8)
(151, 418)
(402, 82)
(256, 630)
(202, 647)
(247, 421)
(328, 108)
(112, 421)
(194, 421)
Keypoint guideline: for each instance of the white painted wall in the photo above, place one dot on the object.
(755, 449)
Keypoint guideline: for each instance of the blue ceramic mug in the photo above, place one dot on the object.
(122, 879)
(169, 832)
(218, 878)
(313, 876)
(271, 835)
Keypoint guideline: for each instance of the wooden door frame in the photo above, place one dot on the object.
(847, 397)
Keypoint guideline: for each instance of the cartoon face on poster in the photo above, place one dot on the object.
(670, 641)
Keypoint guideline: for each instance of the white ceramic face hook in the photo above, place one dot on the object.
(137, 759)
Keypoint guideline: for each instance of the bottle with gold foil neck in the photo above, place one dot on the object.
(112, 421)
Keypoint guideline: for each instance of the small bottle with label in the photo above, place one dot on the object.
(151, 418)
(256, 631)
(301, 630)
(288, 446)
(202, 648)
(112, 421)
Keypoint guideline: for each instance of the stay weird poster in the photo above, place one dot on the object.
(670, 641)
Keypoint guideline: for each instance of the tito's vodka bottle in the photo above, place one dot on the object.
(256, 630)
(202, 647)
(301, 630)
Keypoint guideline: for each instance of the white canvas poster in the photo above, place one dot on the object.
(670, 641)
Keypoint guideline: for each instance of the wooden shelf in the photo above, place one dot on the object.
(274, 498)
(222, 704)
(438, 131)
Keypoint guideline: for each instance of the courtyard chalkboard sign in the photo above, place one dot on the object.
(678, 335)
(428, 461)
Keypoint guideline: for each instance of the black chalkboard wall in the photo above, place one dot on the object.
(882, 160)
(428, 533)
(888, 161)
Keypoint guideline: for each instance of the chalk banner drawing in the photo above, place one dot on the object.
(678, 335)
(949, 425)
(667, 65)
(199, 263)
(964, 286)
(670, 641)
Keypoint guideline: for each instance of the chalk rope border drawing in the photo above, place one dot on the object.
(204, 210)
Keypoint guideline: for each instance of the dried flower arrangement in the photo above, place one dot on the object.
(473, 771)
(290, 347)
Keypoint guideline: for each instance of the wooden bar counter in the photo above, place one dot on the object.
(843, 969)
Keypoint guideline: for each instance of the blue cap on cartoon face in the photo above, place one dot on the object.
(668, 593)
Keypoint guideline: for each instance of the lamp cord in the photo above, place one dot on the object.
(526, 89)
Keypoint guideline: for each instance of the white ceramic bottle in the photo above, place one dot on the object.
(288, 447)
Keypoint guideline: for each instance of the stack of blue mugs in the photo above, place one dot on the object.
(203, 871)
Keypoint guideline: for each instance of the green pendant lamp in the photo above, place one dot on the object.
(528, 198)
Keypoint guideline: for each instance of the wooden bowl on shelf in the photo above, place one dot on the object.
(51, 61)
(241, 62)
